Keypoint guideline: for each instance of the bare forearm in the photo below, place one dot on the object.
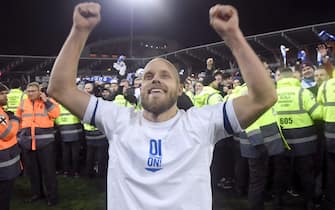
(260, 86)
(62, 84)
(261, 92)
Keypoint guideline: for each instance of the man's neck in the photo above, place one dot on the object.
(209, 67)
(168, 114)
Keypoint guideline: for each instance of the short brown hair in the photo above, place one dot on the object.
(34, 84)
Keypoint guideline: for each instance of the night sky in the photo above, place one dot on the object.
(39, 27)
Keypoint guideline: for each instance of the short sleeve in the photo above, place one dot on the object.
(105, 115)
(218, 121)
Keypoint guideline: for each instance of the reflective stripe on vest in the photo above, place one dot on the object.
(43, 136)
(38, 111)
(329, 133)
(268, 139)
(325, 92)
(9, 162)
(302, 140)
(7, 131)
(35, 115)
(71, 131)
(329, 103)
(88, 137)
(268, 135)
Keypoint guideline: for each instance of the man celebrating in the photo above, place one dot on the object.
(160, 157)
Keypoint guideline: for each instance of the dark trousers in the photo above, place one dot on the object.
(71, 151)
(41, 170)
(223, 160)
(260, 170)
(6, 189)
(304, 166)
(330, 186)
(58, 152)
(97, 153)
(241, 170)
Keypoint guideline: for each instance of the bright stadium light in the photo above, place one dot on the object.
(143, 3)
(152, 6)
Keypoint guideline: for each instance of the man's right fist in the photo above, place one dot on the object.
(86, 16)
(224, 20)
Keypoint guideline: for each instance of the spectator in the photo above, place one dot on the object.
(307, 70)
(71, 133)
(326, 59)
(106, 94)
(208, 73)
(97, 146)
(320, 75)
(125, 95)
(218, 82)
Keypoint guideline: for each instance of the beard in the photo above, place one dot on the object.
(158, 105)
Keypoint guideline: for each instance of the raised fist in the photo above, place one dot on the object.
(86, 16)
(224, 20)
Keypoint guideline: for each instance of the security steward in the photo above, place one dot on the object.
(9, 151)
(297, 109)
(71, 132)
(262, 144)
(326, 97)
(14, 96)
(37, 136)
(206, 96)
(97, 146)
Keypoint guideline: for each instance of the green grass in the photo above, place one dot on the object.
(87, 194)
(74, 194)
(227, 200)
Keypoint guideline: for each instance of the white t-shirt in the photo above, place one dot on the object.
(160, 166)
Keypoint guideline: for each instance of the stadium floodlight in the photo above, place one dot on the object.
(143, 3)
(151, 5)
